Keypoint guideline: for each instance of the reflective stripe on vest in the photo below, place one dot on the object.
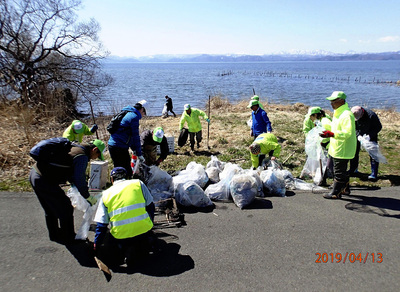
(127, 209)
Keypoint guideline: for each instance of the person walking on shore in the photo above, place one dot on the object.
(191, 116)
(343, 143)
(367, 123)
(169, 106)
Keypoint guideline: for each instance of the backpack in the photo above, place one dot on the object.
(116, 121)
(53, 151)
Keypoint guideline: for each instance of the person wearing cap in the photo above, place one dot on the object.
(46, 178)
(256, 97)
(191, 116)
(367, 123)
(149, 141)
(77, 130)
(127, 137)
(129, 209)
(314, 116)
(317, 116)
(264, 144)
(260, 121)
(169, 105)
(343, 143)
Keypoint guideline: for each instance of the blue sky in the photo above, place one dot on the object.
(148, 27)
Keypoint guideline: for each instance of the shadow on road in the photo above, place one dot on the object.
(373, 205)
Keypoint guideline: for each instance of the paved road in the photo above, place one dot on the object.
(272, 246)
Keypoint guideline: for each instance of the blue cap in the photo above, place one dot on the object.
(118, 171)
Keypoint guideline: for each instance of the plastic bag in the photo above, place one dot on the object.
(305, 186)
(243, 188)
(254, 174)
(214, 162)
(191, 194)
(164, 110)
(194, 172)
(159, 180)
(273, 181)
(289, 180)
(317, 157)
(220, 191)
(80, 203)
(372, 148)
(213, 174)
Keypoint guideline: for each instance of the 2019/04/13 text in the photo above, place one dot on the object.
(349, 257)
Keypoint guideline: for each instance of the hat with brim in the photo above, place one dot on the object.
(336, 95)
(357, 111)
(101, 146)
(77, 126)
(253, 103)
(186, 107)
(158, 134)
(314, 110)
(255, 97)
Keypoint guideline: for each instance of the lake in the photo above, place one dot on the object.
(366, 83)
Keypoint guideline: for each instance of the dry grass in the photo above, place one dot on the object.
(229, 138)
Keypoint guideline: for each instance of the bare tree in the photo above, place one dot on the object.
(43, 48)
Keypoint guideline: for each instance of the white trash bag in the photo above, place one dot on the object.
(243, 188)
(213, 174)
(191, 194)
(372, 148)
(273, 180)
(159, 180)
(80, 203)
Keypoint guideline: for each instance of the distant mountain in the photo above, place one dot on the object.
(282, 56)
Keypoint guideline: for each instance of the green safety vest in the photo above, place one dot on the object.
(344, 144)
(127, 210)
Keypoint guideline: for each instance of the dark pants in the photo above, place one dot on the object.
(121, 157)
(57, 208)
(354, 162)
(199, 137)
(170, 110)
(340, 173)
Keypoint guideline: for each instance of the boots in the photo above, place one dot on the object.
(337, 191)
(374, 170)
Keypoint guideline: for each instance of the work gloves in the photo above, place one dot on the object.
(208, 120)
(327, 134)
(91, 200)
(94, 128)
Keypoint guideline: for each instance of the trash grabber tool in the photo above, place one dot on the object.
(94, 121)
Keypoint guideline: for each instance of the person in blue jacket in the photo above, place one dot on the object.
(260, 121)
(127, 136)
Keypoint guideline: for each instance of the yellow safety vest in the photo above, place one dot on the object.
(127, 210)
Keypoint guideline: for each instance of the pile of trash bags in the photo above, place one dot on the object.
(199, 186)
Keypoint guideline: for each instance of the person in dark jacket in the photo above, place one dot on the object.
(149, 141)
(367, 123)
(169, 105)
(46, 178)
(127, 136)
(260, 121)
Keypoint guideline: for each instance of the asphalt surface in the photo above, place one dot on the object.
(274, 245)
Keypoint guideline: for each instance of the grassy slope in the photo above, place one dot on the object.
(228, 139)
